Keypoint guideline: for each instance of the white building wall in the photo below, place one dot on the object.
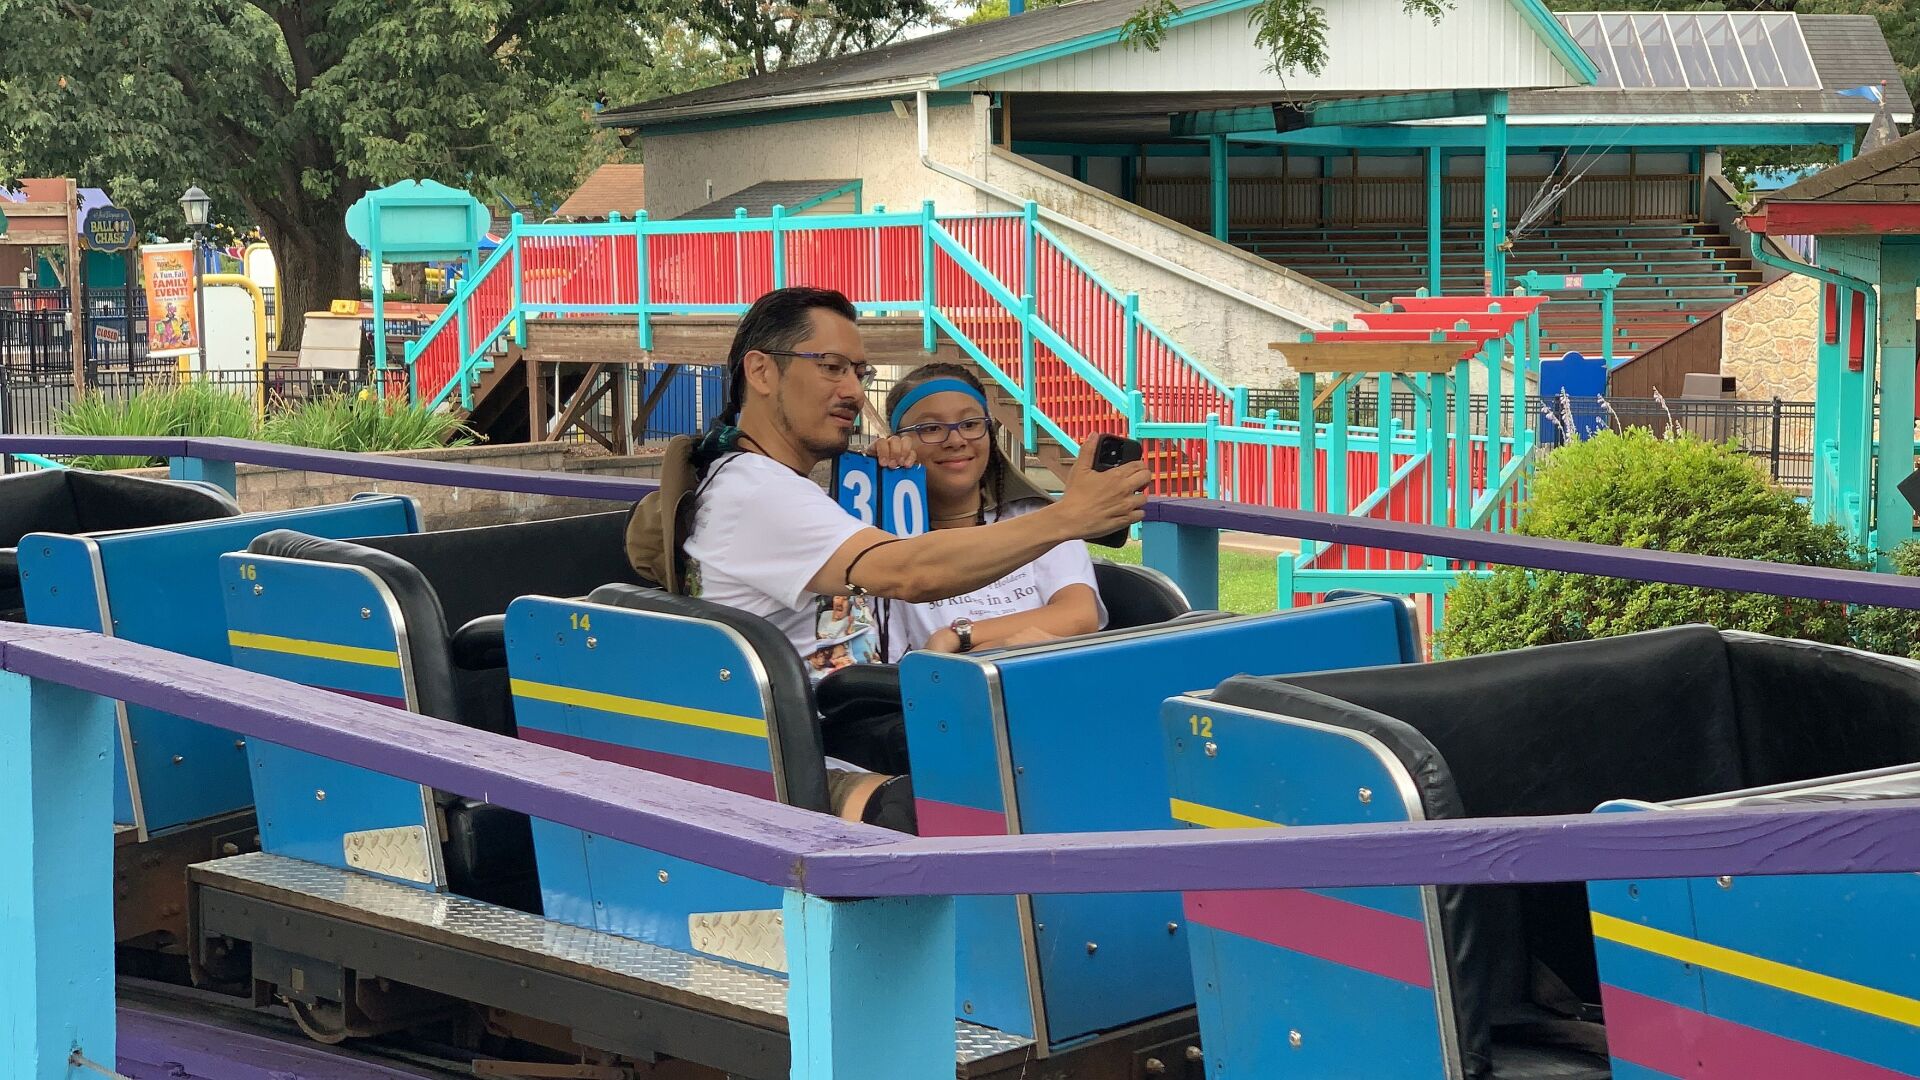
(1478, 44)
(879, 149)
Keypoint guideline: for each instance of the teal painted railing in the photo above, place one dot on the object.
(1075, 351)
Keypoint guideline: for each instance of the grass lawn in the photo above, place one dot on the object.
(1246, 580)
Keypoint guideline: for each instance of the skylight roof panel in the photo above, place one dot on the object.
(1725, 50)
(1626, 51)
(1796, 62)
(1663, 63)
(1586, 33)
(1759, 51)
(1695, 58)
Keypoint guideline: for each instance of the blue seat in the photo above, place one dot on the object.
(162, 586)
(412, 620)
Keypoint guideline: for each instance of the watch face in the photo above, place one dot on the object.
(961, 626)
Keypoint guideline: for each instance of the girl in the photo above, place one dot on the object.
(942, 408)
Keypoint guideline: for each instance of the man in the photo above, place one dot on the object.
(762, 537)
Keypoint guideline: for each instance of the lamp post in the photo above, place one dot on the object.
(195, 205)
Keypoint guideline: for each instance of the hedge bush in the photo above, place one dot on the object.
(1638, 490)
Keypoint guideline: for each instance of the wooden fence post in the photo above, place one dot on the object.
(56, 888)
(870, 990)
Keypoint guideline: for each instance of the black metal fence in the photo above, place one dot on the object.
(31, 404)
(36, 329)
(1778, 433)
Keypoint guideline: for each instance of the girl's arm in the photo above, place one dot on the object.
(1072, 610)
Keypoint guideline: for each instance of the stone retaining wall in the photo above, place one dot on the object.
(1768, 340)
(263, 489)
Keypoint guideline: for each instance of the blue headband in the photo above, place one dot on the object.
(944, 385)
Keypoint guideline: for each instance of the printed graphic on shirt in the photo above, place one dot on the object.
(844, 625)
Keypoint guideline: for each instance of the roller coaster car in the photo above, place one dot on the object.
(1056, 737)
(181, 792)
(404, 620)
(1502, 983)
(79, 501)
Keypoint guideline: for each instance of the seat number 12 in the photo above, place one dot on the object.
(1201, 725)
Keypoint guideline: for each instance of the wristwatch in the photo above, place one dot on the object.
(963, 629)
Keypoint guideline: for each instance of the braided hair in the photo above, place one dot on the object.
(779, 320)
(995, 478)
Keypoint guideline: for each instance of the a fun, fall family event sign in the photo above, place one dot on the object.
(173, 322)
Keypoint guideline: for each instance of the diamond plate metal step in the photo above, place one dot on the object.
(724, 988)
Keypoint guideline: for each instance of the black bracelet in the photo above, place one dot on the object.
(855, 590)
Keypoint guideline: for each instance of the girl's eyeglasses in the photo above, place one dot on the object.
(973, 427)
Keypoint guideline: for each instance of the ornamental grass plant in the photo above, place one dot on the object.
(366, 424)
(361, 423)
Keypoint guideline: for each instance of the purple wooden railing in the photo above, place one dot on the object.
(811, 855)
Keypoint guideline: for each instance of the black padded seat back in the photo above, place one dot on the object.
(480, 571)
(794, 728)
(104, 502)
(436, 691)
(36, 502)
(1809, 710)
(77, 501)
(1641, 716)
(1137, 595)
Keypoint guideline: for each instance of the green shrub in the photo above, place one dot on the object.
(164, 409)
(1637, 490)
(364, 423)
(1894, 631)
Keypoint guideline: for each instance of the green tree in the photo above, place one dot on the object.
(287, 111)
(1637, 490)
(1294, 32)
(769, 37)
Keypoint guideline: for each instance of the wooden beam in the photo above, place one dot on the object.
(1836, 219)
(580, 400)
(1340, 357)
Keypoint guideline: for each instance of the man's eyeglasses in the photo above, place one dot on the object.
(935, 432)
(832, 364)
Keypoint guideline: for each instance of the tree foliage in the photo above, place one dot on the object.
(1634, 489)
(1294, 32)
(768, 37)
(287, 111)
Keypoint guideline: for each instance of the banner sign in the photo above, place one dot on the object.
(173, 322)
(109, 229)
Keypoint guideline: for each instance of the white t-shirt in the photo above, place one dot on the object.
(1026, 589)
(760, 533)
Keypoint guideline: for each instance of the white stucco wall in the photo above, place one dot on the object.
(881, 149)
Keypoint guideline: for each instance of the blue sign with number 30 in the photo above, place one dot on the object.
(891, 499)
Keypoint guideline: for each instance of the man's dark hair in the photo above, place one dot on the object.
(779, 320)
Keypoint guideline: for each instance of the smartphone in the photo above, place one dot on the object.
(1113, 451)
(1110, 452)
